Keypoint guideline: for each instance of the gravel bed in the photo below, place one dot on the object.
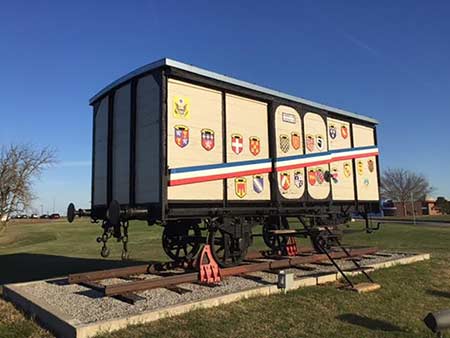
(86, 305)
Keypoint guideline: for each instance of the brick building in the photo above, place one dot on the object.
(421, 208)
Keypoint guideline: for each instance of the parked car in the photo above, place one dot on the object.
(24, 216)
(34, 216)
(55, 216)
(44, 216)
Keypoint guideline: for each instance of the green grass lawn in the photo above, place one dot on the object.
(408, 293)
(445, 218)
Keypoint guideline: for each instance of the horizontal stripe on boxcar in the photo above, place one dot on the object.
(309, 160)
(212, 172)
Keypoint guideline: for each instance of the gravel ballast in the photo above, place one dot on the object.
(86, 306)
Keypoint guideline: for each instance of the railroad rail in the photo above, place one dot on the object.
(169, 275)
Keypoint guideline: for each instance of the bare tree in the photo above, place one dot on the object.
(402, 185)
(19, 166)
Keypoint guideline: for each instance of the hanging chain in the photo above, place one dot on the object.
(124, 239)
(107, 234)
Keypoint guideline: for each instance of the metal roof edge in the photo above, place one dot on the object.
(227, 79)
(129, 76)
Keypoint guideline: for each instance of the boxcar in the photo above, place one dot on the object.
(210, 157)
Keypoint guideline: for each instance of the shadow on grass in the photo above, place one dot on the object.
(438, 293)
(23, 267)
(369, 323)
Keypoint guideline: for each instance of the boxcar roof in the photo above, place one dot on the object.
(223, 78)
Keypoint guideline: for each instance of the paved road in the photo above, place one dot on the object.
(431, 223)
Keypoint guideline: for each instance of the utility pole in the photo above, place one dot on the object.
(42, 209)
(53, 205)
(413, 211)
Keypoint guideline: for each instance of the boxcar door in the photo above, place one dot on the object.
(341, 167)
(194, 141)
(366, 164)
(247, 149)
(316, 147)
(289, 150)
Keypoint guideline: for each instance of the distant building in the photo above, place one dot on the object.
(425, 207)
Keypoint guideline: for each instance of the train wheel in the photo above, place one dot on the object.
(226, 249)
(322, 241)
(276, 243)
(181, 242)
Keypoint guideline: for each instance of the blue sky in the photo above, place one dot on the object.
(386, 59)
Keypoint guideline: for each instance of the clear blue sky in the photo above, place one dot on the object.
(386, 59)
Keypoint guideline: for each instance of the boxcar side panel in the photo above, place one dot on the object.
(194, 140)
(100, 153)
(339, 137)
(121, 145)
(148, 131)
(316, 143)
(247, 140)
(366, 168)
(288, 125)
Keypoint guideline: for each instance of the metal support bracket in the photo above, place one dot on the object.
(291, 246)
(208, 269)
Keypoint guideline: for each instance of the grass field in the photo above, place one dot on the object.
(408, 293)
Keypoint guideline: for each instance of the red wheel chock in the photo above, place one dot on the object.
(291, 246)
(208, 269)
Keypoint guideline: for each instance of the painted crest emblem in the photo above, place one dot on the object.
(181, 135)
(344, 132)
(237, 143)
(295, 140)
(254, 145)
(366, 182)
(320, 176)
(371, 165)
(335, 175)
(320, 144)
(298, 179)
(360, 167)
(285, 181)
(258, 183)
(207, 139)
(181, 107)
(240, 187)
(310, 142)
(311, 177)
(284, 143)
(347, 169)
(332, 132)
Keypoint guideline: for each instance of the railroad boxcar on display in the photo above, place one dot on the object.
(210, 158)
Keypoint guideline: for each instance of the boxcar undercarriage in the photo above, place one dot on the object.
(231, 231)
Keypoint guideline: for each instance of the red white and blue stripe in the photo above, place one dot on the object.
(309, 160)
(212, 172)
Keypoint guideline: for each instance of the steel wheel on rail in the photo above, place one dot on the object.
(226, 249)
(323, 241)
(277, 243)
(181, 242)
